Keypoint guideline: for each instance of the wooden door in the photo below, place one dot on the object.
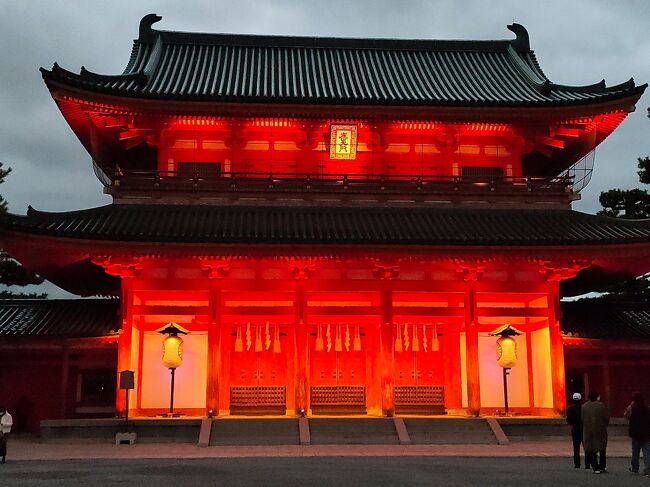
(258, 369)
(337, 369)
(419, 370)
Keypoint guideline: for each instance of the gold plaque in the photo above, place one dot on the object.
(343, 141)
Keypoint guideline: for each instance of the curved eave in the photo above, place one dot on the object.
(102, 102)
(333, 227)
(72, 81)
(68, 261)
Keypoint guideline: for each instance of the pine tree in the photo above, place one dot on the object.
(631, 203)
(11, 272)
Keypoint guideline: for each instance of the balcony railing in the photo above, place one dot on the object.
(256, 182)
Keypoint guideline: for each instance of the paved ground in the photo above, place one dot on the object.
(315, 472)
(33, 449)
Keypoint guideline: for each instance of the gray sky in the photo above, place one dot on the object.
(576, 41)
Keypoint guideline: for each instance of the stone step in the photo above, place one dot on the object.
(428, 431)
(104, 430)
(255, 431)
(353, 431)
(550, 429)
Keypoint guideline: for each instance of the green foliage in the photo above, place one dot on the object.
(11, 272)
(644, 170)
(3, 174)
(631, 203)
(11, 295)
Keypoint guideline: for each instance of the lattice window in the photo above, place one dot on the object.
(420, 395)
(252, 396)
(338, 395)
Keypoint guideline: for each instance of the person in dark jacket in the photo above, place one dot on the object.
(595, 418)
(638, 414)
(574, 418)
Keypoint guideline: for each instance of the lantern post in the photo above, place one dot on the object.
(506, 355)
(172, 354)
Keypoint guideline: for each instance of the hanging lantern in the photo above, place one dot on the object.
(172, 345)
(506, 349)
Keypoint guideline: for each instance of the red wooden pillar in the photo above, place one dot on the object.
(471, 343)
(214, 344)
(217, 398)
(124, 340)
(451, 358)
(557, 347)
(301, 353)
(386, 350)
(381, 391)
(301, 272)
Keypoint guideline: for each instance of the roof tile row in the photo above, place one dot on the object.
(277, 69)
(332, 225)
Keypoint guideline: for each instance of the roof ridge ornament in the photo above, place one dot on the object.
(147, 34)
(522, 43)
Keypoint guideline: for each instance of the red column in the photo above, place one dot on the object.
(451, 358)
(301, 352)
(124, 341)
(300, 272)
(214, 342)
(471, 344)
(557, 347)
(386, 351)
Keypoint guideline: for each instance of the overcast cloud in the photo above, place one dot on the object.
(577, 42)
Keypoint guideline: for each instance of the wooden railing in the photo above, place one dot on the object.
(256, 182)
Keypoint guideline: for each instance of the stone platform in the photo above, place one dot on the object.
(362, 430)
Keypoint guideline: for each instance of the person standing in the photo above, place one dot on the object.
(6, 422)
(595, 419)
(574, 418)
(638, 414)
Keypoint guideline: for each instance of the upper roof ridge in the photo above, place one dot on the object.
(272, 69)
(149, 35)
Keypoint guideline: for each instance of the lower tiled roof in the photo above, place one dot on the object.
(332, 225)
(596, 318)
(69, 318)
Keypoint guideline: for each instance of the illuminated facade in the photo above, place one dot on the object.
(338, 223)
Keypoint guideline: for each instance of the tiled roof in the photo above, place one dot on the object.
(70, 318)
(312, 70)
(332, 225)
(596, 318)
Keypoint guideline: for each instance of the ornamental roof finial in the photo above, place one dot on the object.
(522, 43)
(146, 32)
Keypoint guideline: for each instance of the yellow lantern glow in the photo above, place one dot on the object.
(506, 346)
(172, 351)
(506, 352)
(172, 345)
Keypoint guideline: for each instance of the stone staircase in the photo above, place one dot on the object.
(353, 431)
(442, 431)
(254, 431)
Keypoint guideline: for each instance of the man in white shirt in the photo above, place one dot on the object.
(6, 422)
